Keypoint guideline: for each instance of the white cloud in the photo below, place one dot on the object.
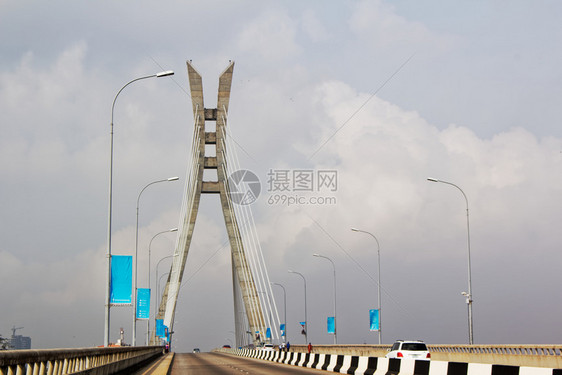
(271, 36)
(313, 27)
(379, 24)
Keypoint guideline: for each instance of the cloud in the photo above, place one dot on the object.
(270, 36)
(378, 24)
(42, 293)
(313, 27)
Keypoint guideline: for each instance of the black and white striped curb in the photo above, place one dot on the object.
(348, 364)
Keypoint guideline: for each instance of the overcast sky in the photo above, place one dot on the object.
(385, 93)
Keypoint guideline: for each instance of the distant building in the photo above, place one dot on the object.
(20, 342)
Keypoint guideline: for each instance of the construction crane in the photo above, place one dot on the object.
(14, 328)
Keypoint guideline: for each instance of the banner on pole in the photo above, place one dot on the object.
(121, 290)
(160, 327)
(331, 324)
(374, 320)
(143, 303)
(268, 333)
(282, 328)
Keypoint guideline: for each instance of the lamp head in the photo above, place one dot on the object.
(174, 230)
(173, 178)
(432, 179)
(355, 229)
(165, 74)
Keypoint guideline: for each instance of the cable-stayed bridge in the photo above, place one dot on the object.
(256, 316)
(213, 168)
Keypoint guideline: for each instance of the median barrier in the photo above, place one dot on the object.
(351, 364)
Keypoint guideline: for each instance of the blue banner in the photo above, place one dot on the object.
(374, 320)
(268, 333)
(143, 303)
(303, 331)
(331, 324)
(160, 327)
(282, 328)
(121, 280)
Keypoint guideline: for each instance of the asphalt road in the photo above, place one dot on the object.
(222, 364)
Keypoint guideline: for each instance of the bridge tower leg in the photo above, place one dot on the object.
(195, 186)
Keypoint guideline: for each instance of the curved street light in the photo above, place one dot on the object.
(285, 307)
(305, 318)
(108, 286)
(158, 280)
(155, 301)
(136, 257)
(379, 282)
(335, 320)
(158, 285)
(469, 294)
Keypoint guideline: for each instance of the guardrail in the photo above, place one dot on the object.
(516, 355)
(68, 361)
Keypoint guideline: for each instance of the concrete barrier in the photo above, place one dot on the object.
(349, 364)
(549, 356)
(92, 361)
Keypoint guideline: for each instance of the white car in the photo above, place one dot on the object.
(268, 347)
(409, 349)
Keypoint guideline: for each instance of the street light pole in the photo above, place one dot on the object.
(108, 256)
(285, 308)
(155, 301)
(134, 343)
(157, 287)
(469, 294)
(379, 282)
(335, 320)
(305, 317)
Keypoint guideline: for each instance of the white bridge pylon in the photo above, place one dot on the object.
(256, 316)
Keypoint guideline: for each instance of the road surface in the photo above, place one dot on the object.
(222, 364)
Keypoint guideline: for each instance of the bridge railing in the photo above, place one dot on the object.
(68, 361)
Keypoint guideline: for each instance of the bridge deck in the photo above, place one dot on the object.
(217, 363)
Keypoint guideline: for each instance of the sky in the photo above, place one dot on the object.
(382, 94)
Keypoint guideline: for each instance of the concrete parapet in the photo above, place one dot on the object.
(351, 364)
(549, 356)
(359, 350)
(94, 361)
(516, 355)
